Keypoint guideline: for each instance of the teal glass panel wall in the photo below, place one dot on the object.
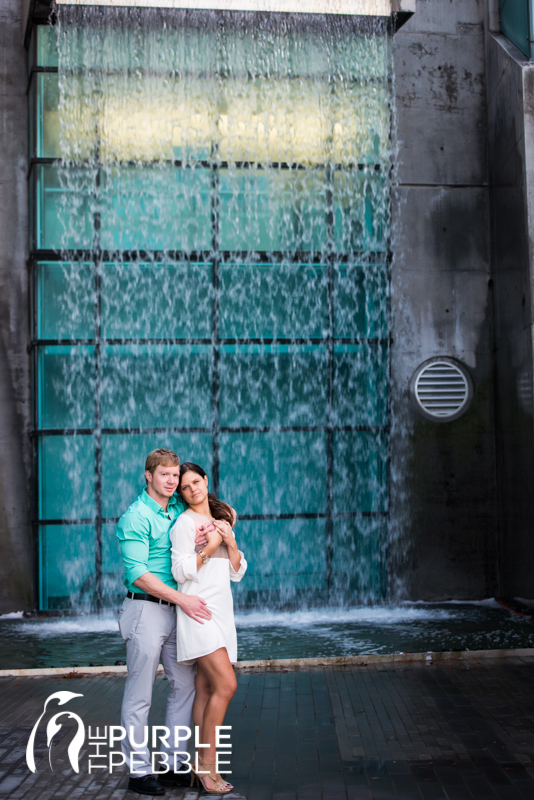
(210, 200)
(517, 24)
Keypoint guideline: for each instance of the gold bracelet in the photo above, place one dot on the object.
(203, 556)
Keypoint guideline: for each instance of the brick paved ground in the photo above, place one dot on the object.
(411, 732)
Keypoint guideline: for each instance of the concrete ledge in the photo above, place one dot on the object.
(277, 664)
(386, 658)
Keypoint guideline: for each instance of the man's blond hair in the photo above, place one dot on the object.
(161, 458)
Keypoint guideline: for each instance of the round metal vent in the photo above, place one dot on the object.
(442, 389)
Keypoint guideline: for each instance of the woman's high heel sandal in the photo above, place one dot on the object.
(219, 785)
(202, 766)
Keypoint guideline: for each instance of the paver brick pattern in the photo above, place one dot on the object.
(381, 732)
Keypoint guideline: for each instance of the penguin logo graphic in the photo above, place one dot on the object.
(53, 727)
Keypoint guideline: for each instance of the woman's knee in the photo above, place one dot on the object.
(229, 687)
(220, 675)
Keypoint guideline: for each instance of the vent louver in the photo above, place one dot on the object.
(442, 389)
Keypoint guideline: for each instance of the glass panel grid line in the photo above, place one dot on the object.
(252, 165)
(215, 320)
(231, 257)
(222, 429)
(40, 71)
(242, 517)
(329, 220)
(267, 340)
(221, 76)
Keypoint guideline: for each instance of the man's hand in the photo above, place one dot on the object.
(195, 607)
(201, 538)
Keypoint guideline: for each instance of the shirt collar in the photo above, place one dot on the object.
(155, 506)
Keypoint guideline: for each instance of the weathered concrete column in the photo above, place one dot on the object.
(443, 533)
(16, 571)
(511, 162)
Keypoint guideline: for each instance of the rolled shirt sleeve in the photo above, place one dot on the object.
(133, 533)
(237, 576)
(183, 556)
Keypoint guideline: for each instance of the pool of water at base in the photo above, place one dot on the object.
(408, 628)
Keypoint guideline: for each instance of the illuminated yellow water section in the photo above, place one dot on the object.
(295, 121)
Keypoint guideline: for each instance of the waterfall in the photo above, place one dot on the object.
(213, 278)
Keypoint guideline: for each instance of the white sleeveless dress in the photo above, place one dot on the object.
(212, 583)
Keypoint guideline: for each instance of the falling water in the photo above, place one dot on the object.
(219, 220)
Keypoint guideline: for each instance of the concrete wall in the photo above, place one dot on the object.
(16, 571)
(443, 535)
(511, 159)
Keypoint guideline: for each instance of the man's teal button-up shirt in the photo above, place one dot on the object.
(143, 534)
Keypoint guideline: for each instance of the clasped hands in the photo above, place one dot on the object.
(216, 529)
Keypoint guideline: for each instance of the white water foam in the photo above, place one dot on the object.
(70, 625)
(488, 602)
(376, 616)
(365, 615)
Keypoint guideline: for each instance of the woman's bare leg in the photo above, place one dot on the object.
(216, 672)
(202, 695)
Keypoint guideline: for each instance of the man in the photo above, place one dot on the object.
(148, 621)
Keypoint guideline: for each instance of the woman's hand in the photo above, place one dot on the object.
(227, 534)
(225, 530)
(201, 537)
(214, 537)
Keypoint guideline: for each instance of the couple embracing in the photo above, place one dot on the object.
(179, 554)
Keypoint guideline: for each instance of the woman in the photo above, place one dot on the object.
(207, 572)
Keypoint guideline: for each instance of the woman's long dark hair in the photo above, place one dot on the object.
(218, 509)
